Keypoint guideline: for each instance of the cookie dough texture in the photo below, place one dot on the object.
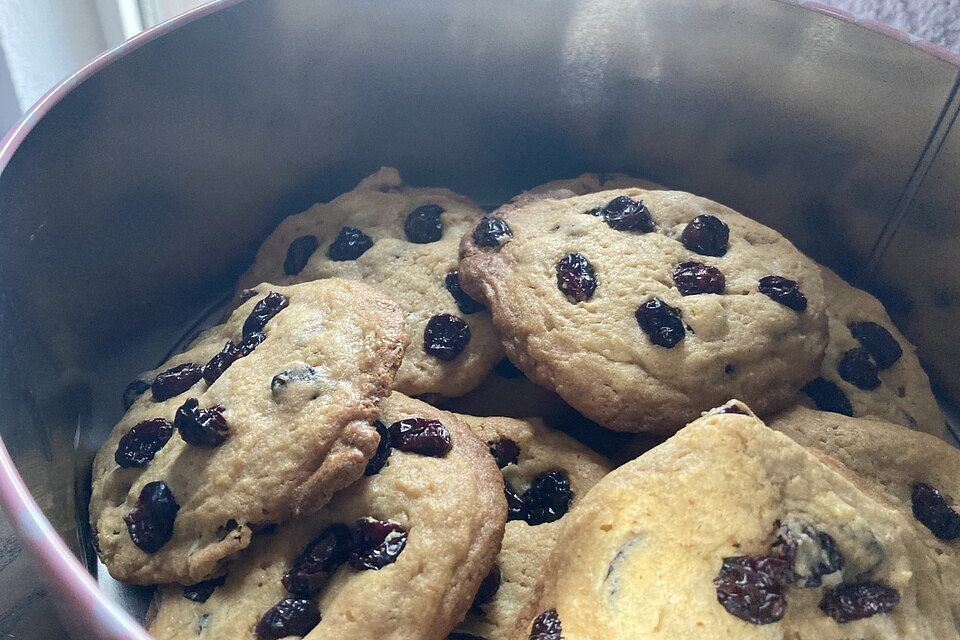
(284, 456)
(594, 355)
(453, 510)
(638, 557)
(904, 396)
(411, 274)
(526, 548)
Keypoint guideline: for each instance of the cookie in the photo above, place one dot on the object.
(643, 308)
(870, 369)
(546, 472)
(397, 555)
(403, 241)
(732, 530)
(259, 420)
(583, 184)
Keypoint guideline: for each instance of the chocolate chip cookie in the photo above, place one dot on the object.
(643, 308)
(403, 241)
(545, 474)
(398, 555)
(259, 420)
(869, 368)
(732, 530)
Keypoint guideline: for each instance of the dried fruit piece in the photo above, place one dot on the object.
(376, 543)
(425, 436)
(878, 342)
(623, 213)
(465, 303)
(350, 244)
(707, 235)
(492, 232)
(933, 511)
(150, 522)
(133, 391)
(576, 278)
(445, 337)
(289, 617)
(516, 507)
(546, 626)
(754, 588)
(694, 278)
(783, 290)
(548, 498)
(812, 553)
(175, 381)
(856, 601)
(488, 587)
(379, 459)
(263, 312)
(281, 383)
(201, 427)
(201, 591)
(505, 451)
(857, 367)
(298, 254)
(138, 446)
(230, 354)
(423, 224)
(828, 396)
(318, 561)
(661, 322)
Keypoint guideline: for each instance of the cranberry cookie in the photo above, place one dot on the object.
(260, 419)
(545, 474)
(643, 308)
(732, 530)
(582, 185)
(398, 555)
(870, 369)
(403, 241)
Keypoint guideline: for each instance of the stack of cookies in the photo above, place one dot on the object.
(307, 468)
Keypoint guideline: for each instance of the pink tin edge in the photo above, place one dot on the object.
(67, 575)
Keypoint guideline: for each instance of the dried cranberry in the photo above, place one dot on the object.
(488, 588)
(289, 617)
(423, 224)
(546, 626)
(318, 561)
(298, 254)
(465, 303)
(175, 381)
(379, 459)
(425, 436)
(138, 446)
(933, 511)
(661, 322)
(812, 553)
(623, 213)
(445, 337)
(201, 427)
(575, 277)
(693, 278)
(505, 451)
(707, 235)
(376, 543)
(828, 396)
(857, 367)
(492, 232)
(297, 374)
(859, 600)
(516, 507)
(264, 311)
(754, 588)
(783, 290)
(201, 591)
(230, 354)
(133, 391)
(350, 244)
(150, 522)
(548, 498)
(878, 342)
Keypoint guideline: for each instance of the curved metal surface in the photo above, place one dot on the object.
(135, 193)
